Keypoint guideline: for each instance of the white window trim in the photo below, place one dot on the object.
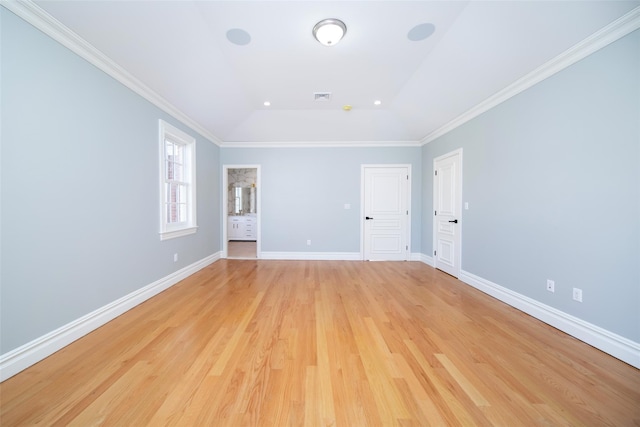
(170, 231)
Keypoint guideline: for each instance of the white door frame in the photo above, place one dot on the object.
(458, 202)
(225, 206)
(362, 196)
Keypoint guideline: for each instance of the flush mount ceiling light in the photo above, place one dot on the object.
(329, 31)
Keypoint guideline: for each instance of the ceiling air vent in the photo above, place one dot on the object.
(322, 96)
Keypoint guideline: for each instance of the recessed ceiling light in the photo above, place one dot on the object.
(377, 102)
(421, 32)
(238, 36)
(267, 104)
(329, 31)
(347, 107)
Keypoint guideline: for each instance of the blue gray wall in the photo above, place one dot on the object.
(304, 191)
(80, 213)
(552, 177)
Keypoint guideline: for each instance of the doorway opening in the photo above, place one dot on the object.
(241, 211)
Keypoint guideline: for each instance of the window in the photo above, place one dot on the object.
(177, 182)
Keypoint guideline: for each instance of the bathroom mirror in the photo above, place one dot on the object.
(244, 200)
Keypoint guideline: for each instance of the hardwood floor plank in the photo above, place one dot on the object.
(122, 393)
(464, 383)
(324, 391)
(180, 396)
(454, 410)
(425, 410)
(304, 343)
(231, 347)
(389, 403)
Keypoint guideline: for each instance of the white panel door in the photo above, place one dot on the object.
(447, 203)
(386, 213)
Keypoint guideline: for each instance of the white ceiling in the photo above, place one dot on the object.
(180, 50)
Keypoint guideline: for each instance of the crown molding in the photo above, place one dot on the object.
(602, 38)
(40, 19)
(319, 144)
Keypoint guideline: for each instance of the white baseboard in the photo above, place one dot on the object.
(333, 256)
(22, 357)
(321, 256)
(422, 258)
(32, 352)
(617, 346)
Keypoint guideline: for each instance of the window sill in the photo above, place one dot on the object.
(166, 235)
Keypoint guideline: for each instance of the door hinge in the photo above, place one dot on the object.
(436, 173)
(435, 212)
(434, 253)
(407, 177)
(407, 212)
(406, 247)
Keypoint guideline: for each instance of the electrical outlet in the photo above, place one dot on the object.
(175, 257)
(577, 294)
(551, 285)
(308, 242)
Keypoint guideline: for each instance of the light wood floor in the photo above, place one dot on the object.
(305, 343)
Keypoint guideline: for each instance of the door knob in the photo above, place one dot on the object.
(368, 217)
(454, 221)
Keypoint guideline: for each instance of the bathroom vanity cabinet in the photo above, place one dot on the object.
(241, 228)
